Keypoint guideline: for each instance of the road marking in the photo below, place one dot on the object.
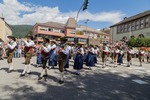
(140, 81)
(113, 71)
(124, 75)
(140, 71)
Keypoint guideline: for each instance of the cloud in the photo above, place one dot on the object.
(16, 12)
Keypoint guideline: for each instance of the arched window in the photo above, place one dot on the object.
(132, 36)
(141, 36)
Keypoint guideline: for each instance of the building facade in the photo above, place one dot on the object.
(134, 26)
(5, 30)
(55, 30)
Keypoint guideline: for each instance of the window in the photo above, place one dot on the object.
(44, 28)
(142, 23)
(49, 29)
(71, 39)
(128, 27)
(146, 22)
(133, 24)
(62, 31)
(118, 29)
(137, 24)
(125, 28)
(56, 30)
(82, 40)
(121, 28)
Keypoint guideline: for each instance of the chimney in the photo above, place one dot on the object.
(125, 18)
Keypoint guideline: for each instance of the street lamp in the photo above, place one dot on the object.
(86, 22)
(83, 7)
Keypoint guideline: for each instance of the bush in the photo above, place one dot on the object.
(139, 42)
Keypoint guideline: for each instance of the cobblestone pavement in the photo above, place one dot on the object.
(121, 83)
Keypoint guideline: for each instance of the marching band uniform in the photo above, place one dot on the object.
(11, 47)
(120, 57)
(90, 57)
(53, 55)
(39, 56)
(78, 62)
(116, 52)
(141, 56)
(129, 56)
(95, 55)
(45, 56)
(104, 55)
(63, 52)
(28, 50)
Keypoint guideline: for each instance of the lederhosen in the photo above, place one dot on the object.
(27, 54)
(61, 58)
(104, 55)
(129, 56)
(45, 57)
(115, 56)
(140, 56)
(10, 54)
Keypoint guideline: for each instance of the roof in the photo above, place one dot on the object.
(53, 24)
(5, 22)
(71, 23)
(145, 13)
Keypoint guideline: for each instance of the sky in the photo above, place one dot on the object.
(101, 13)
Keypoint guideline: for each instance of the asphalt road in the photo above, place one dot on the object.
(121, 83)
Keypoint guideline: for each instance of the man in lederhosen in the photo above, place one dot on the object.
(129, 56)
(141, 56)
(28, 50)
(63, 53)
(11, 45)
(45, 56)
(105, 51)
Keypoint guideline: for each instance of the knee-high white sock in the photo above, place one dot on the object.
(25, 69)
(42, 73)
(62, 76)
(9, 66)
(29, 68)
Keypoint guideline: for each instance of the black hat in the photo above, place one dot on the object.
(63, 39)
(29, 36)
(46, 38)
(12, 37)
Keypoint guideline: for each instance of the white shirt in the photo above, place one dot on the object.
(12, 46)
(29, 44)
(106, 49)
(47, 49)
(53, 46)
(82, 51)
(117, 51)
(66, 51)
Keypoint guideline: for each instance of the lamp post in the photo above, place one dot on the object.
(83, 7)
(86, 22)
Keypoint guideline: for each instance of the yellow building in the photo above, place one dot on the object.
(5, 29)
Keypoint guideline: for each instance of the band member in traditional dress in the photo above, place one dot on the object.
(63, 52)
(45, 56)
(90, 57)
(78, 62)
(129, 56)
(112, 51)
(104, 54)
(53, 55)
(28, 50)
(141, 56)
(116, 52)
(95, 55)
(39, 55)
(120, 56)
(148, 56)
(11, 45)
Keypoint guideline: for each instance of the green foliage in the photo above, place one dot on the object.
(20, 31)
(138, 42)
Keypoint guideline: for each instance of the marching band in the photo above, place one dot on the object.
(51, 53)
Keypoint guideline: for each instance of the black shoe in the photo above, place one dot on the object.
(10, 71)
(128, 66)
(40, 78)
(45, 75)
(29, 73)
(77, 73)
(21, 75)
(61, 82)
